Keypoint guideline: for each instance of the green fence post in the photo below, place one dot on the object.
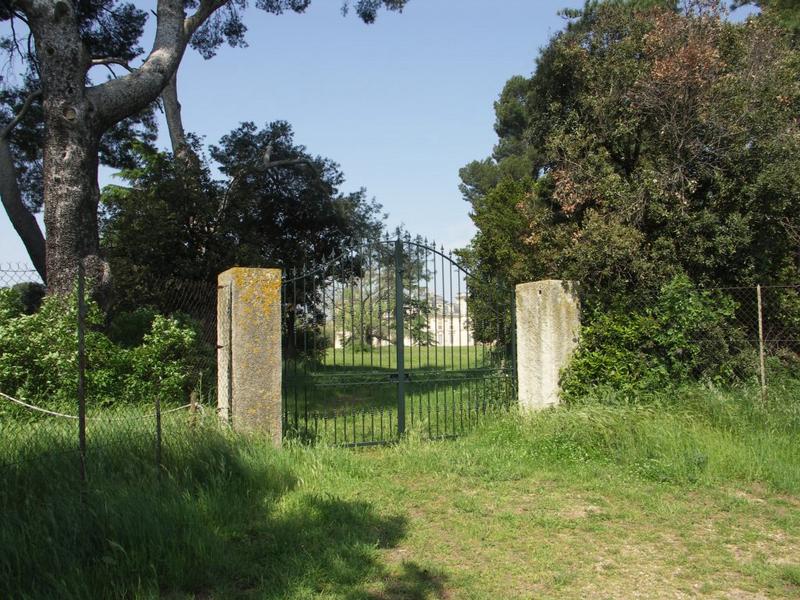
(399, 326)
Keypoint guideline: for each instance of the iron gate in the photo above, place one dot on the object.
(385, 339)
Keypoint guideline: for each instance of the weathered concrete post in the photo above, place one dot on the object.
(249, 350)
(548, 325)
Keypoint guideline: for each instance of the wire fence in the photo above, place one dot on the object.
(80, 384)
(138, 374)
(768, 318)
(654, 340)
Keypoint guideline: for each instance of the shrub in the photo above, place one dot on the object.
(686, 334)
(38, 355)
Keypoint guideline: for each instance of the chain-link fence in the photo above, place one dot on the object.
(653, 341)
(85, 388)
(12, 274)
(769, 317)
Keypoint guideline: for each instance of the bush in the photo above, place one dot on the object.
(38, 355)
(685, 335)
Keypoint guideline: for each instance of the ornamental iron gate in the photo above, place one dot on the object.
(390, 338)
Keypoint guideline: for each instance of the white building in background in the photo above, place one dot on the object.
(448, 325)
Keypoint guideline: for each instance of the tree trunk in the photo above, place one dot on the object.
(72, 197)
(70, 157)
(77, 116)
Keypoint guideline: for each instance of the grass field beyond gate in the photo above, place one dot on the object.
(351, 397)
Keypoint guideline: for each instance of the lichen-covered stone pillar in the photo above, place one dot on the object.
(249, 350)
(548, 325)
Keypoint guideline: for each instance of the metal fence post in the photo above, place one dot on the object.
(761, 345)
(158, 432)
(81, 371)
(193, 405)
(399, 328)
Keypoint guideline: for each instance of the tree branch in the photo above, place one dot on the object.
(205, 10)
(177, 135)
(25, 106)
(22, 219)
(266, 167)
(111, 61)
(119, 98)
(290, 162)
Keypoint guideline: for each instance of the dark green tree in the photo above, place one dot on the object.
(648, 143)
(75, 116)
(165, 224)
(785, 12)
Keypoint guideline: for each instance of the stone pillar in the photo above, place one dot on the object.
(548, 325)
(249, 350)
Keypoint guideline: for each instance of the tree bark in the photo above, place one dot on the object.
(181, 150)
(70, 153)
(172, 111)
(76, 117)
(21, 218)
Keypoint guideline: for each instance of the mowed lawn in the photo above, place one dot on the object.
(699, 497)
(351, 395)
(450, 358)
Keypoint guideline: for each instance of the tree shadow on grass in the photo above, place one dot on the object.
(315, 545)
(223, 520)
(413, 583)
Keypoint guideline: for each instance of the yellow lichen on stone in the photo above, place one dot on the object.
(255, 348)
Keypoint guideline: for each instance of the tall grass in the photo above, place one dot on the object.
(695, 435)
(231, 516)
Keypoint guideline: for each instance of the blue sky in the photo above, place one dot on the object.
(401, 104)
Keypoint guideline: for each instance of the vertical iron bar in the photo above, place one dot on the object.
(421, 325)
(306, 325)
(445, 318)
(411, 299)
(452, 314)
(333, 316)
(323, 337)
(361, 319)
(428, 404)
(294, 346)
(444, 314)
(380, 314)
(460, 351)
(352, 309)
(344, 317)
(284, 367)
(371, 307)
(435, 309)
(427, 309)
(399, 335)
(470, 343)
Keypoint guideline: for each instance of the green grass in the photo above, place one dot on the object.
(696, 495)
(351, 396)
(445, 358)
